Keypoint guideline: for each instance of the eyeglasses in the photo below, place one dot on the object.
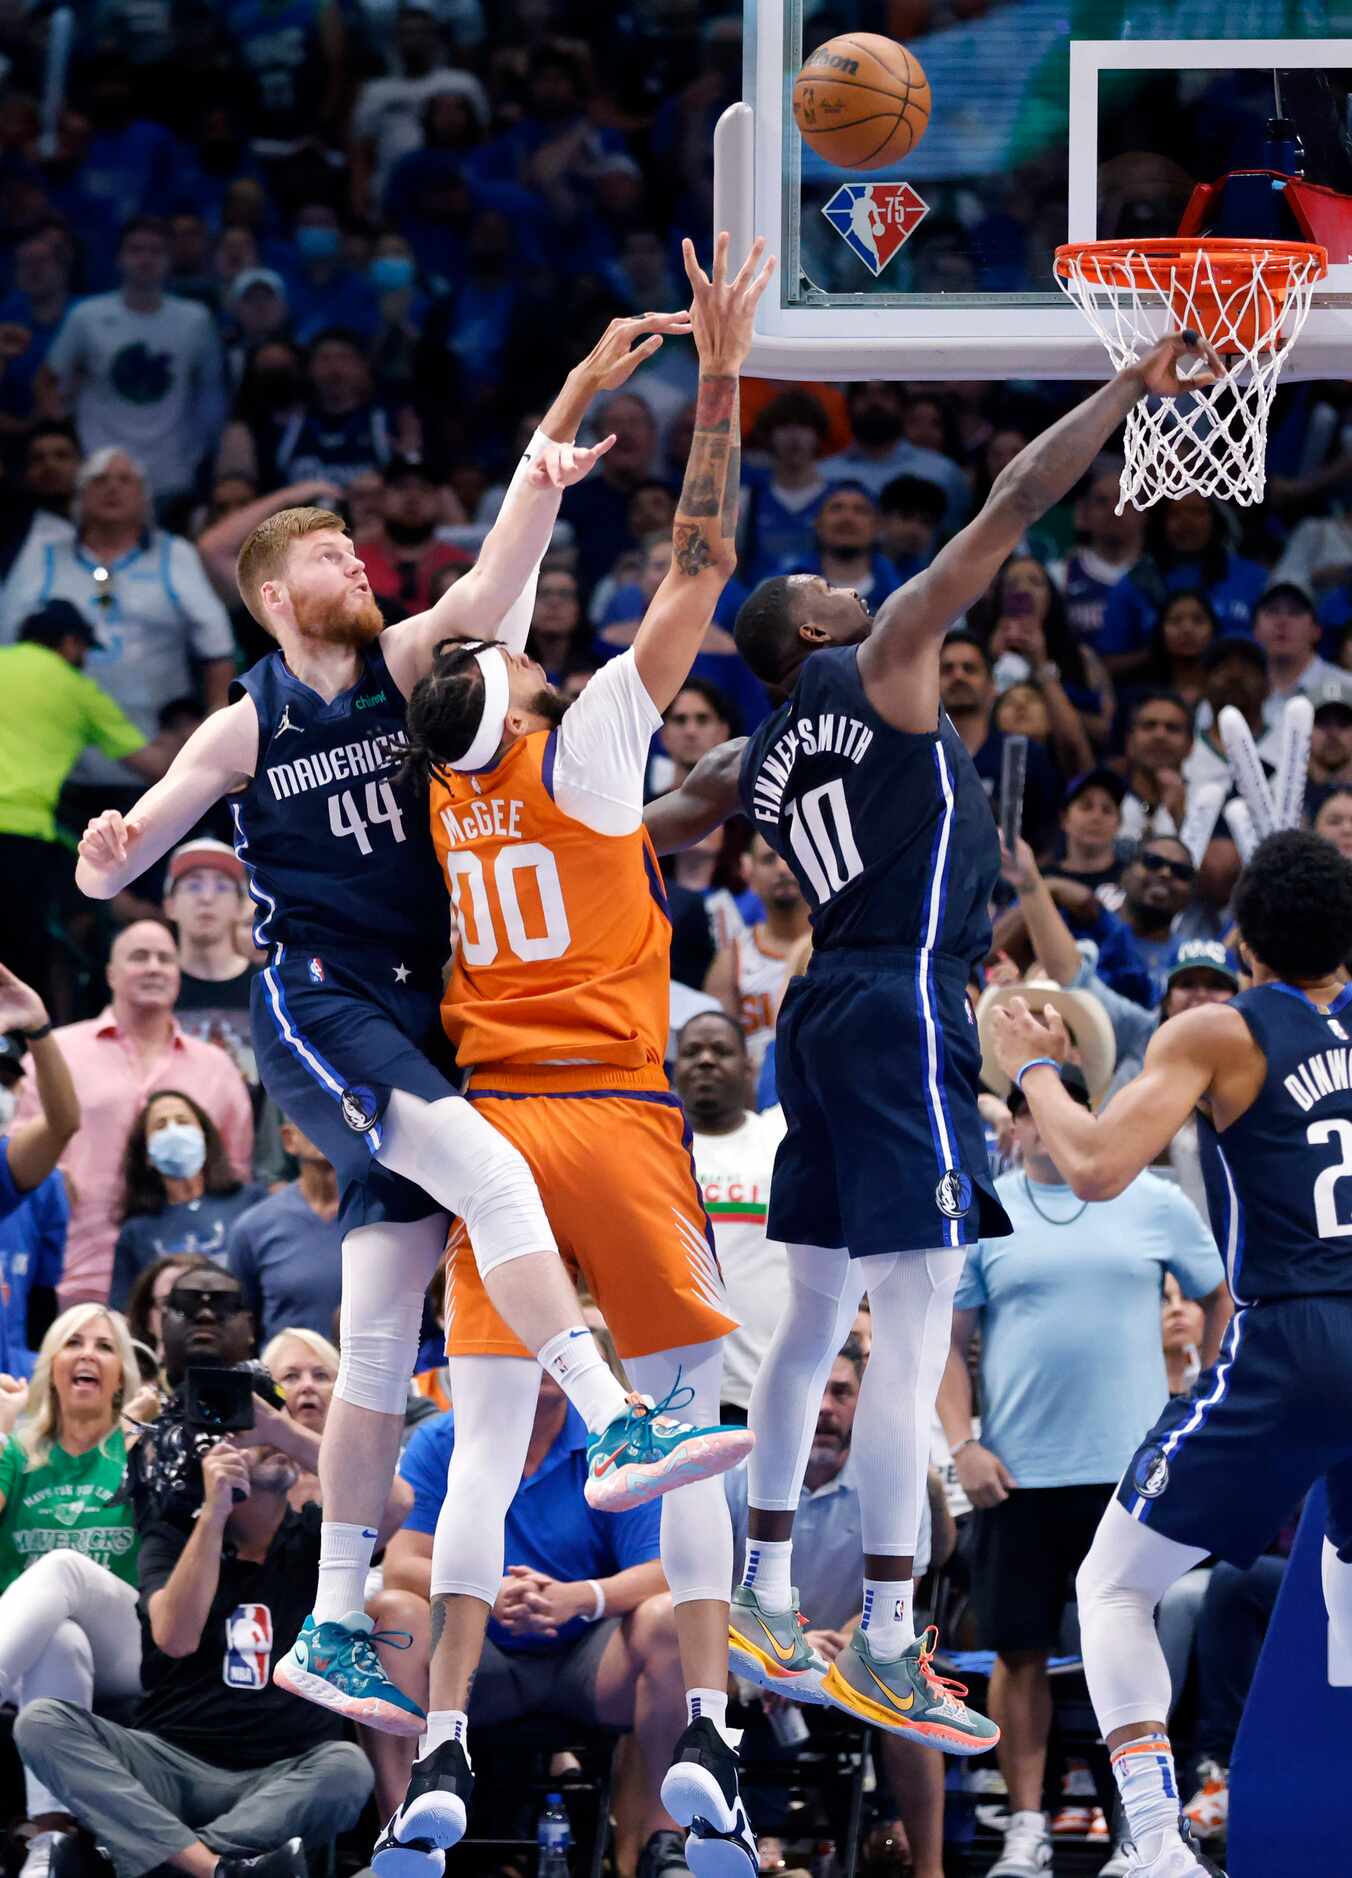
(206, 883)
(1183, 871)
(223, 1305)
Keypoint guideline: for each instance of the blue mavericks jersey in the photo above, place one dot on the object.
(1279, 1180)
(889, 833)
(337, 858)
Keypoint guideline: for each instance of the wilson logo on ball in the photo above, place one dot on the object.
(875, 219)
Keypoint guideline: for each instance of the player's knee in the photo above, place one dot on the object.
(504, 1215)
(375, 1367)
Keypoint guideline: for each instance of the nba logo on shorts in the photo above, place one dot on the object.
(875, 219)
(953, 1195)
(316, 971)
(248, 1647)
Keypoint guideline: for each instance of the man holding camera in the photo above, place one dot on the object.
(224, 1773)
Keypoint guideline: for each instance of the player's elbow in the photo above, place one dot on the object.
(1019, 492)
(91, 883)
(1096, 1181)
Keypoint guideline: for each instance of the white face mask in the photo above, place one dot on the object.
(179, 1150)
(9, 1101)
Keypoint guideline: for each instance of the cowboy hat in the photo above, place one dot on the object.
(1090, 1028)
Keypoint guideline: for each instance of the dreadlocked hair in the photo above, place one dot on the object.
(444, 711)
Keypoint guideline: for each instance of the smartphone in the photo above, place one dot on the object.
(1013, 771)
(219, 1401)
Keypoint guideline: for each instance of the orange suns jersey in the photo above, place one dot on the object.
(562, 942)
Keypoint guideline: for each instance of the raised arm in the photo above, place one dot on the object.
(703, 802)
(35, 1147)
(704, 537)
(217, 759)
(897, 662)
(513, 548)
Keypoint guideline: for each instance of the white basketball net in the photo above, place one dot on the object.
(1213, 439)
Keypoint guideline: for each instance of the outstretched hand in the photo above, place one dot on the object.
(1160, 366)
(564, 464)
(723, 311)
(20, 1006)
(615, 356)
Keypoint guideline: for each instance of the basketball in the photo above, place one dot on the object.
(861, 101)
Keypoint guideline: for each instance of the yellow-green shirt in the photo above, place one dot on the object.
(49, 714)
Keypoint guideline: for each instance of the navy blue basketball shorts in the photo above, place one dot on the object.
(878, 1067)
(333, 1038)
(1224, 1467)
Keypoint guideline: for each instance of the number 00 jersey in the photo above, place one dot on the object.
(1279, 1180)
(337, 860)
(562, 937)
(890, 834)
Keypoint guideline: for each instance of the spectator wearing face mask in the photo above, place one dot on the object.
(877, 412)
(180, 1193)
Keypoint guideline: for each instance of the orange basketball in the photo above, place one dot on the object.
(861, 101)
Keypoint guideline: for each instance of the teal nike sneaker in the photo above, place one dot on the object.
(770, 1649)
(336, 1665)
(905, 1696)
(646, 1452)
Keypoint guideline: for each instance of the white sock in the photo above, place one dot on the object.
(769, 1563)
(344, 1560)
(443, 1725)
(887, 1621)
(1036, 1822)
(1144, 1772)
(578, 1367)
(710, 1704)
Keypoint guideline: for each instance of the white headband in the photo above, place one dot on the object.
(494, 720)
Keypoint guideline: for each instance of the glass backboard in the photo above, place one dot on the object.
(940, 267)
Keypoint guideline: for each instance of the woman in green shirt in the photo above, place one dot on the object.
(68, 1621)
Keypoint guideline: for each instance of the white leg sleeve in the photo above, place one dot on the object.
(386, 1271)
(495, 1399)
(1126, 1572)
(696, 1523)
(910, 1296)
(453, 1154)
(65, 1591)
(1337, 1577)
(825, 1286)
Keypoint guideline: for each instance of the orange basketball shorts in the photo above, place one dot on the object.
(610, 1152)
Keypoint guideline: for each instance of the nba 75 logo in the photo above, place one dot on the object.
(248, 1647)
(875, 219)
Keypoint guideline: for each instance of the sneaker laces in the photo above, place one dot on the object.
(947, 1692)
(362, 1653)
(640, 1433)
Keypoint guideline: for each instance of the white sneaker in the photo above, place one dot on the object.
(38, 1859)
(1028, 1848)
(1169, 1857)
(1118, 1863)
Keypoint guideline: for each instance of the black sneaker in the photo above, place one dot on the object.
(432, 1818)
(700, 1790)
(663, 1856)
(288, 1861)
(76, 1855)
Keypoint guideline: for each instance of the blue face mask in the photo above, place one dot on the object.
(390, 273)
(179, 1150)
(317, 244)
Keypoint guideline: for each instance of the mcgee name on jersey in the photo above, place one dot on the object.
(830, 734)
(480, 818)
(365, 758)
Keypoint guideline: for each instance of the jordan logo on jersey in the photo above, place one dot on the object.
(284, 723)
(248, 1647)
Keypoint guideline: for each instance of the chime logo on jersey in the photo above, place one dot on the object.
(248, 1647)
(875, 220)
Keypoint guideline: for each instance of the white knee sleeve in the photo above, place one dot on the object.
(1337, 1578)
(1126, 1572)
(825, 1286)
(910, 1298)
(386, 1271)
(453, 1154)
(696, 1523)
(495, 1398)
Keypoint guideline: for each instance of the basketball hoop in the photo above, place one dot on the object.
(1248, 299)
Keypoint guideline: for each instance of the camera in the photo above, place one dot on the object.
(164, 1470)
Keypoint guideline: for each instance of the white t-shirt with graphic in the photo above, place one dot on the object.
(734, 1174)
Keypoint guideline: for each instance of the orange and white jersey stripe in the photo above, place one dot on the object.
(762, 979)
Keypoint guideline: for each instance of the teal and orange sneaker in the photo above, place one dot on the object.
(336, 1665)
(770, 1649)
(904, 1695)
(646, 1452)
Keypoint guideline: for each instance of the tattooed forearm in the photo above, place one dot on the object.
(716, 404)
(732, 484)
(692, 551)
(705, 476)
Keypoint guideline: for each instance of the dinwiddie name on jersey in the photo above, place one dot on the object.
(366, 757)
(830, 734)
(1319, 1076)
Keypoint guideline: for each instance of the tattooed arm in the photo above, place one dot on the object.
(704, 536)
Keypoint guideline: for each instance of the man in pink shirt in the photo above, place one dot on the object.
(117, 1060)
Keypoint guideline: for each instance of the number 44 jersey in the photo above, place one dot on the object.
(562, 937)
(890, 834)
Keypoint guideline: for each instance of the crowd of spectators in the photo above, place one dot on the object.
(206, 315)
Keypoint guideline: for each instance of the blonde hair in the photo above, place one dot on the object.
(314, 1343)
(263, 556)
(41, 1426)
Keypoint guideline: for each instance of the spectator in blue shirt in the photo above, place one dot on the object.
(911, 509)
(323, 291)
(847, 552)
(1185, 541)
(286, 1250)
(28, 1154)
(583, 1626)
(32, 1242)
(780, 499)
(38, 302)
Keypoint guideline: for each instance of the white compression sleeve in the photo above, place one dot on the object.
(386, 1270)
(696, 1523)
(910, 1295)
(495, 1398)
(453, 1154)
(825, 1286)
(514, 626)
(1126, 1572)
